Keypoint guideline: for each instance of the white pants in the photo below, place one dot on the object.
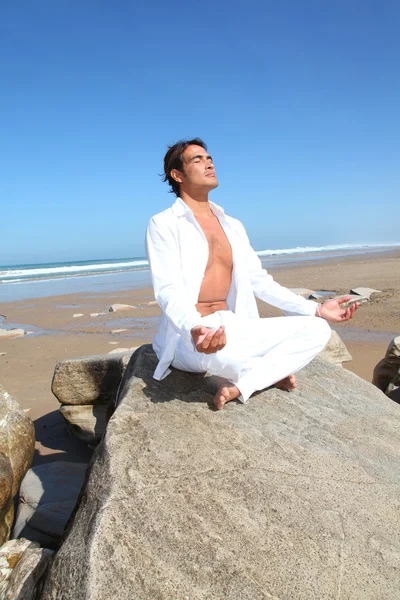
(258, 352)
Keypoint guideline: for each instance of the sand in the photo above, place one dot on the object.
(27, 368)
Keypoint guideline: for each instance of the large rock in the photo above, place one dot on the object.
(48, 495)
(387, 372)
(291, 496)
(335, 351)
(89, 379)
(86, 388)
(17, 443)
(22, 568)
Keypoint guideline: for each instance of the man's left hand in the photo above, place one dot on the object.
(332, 311)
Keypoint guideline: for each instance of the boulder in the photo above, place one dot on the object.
(22, 568)
(89, 379)
(48, 495)
(387, 372)
(335, 351)
(86, 388)
(290, 496)
(365, 291)
(11, 333)
(118, 307)
(17, 443)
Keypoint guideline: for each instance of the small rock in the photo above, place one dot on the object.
(114, 343)
(11, 333)
(76, 315)
(114, 331)
(365, 291)
(152, 303)
(354, 298)
(302, 292)
(3, 353)
(98, 314)
(117, 307)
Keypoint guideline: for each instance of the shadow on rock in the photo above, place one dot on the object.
(53, 434)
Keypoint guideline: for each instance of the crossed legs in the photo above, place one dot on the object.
(259, 353)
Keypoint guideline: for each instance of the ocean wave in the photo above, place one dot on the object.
(68, 270)
(26, 273)
(306, 249)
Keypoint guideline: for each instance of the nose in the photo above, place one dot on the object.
(210, 164)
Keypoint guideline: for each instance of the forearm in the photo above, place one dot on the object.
(273, 293)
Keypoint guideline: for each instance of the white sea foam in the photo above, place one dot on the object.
(307, 249)
(65, 270)
(38, 271)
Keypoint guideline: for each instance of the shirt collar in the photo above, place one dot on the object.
(180, 208)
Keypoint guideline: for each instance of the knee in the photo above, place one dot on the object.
(229, 358)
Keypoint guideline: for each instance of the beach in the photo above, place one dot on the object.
(28, 365)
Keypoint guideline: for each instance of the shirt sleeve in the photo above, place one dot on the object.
(163, 254)
(271, 292)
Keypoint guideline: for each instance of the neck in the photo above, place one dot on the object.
(198, 203)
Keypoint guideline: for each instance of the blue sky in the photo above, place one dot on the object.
(299, 103)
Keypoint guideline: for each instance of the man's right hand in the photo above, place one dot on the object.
(208, 340)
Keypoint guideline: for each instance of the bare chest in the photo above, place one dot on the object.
(219, 248)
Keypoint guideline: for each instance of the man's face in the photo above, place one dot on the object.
(197, 171)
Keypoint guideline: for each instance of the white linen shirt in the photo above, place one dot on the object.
(177, 250)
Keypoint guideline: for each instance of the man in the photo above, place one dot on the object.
(206, 276)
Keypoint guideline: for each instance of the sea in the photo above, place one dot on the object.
(23, 281)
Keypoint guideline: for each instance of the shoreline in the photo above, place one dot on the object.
(140, 277)
(28, 365)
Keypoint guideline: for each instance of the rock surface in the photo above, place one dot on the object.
(335, 351)
(89, 421)
(48, 495)
(387, 372)
(22, 567)
(291, 496)
(17, 443)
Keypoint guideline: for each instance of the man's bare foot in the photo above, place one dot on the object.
(288, 384)
(225, 393)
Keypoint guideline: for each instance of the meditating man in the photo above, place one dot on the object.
(206, 276)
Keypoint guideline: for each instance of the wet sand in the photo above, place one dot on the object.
(27, 368)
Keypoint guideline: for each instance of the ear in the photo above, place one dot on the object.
(177, 175)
